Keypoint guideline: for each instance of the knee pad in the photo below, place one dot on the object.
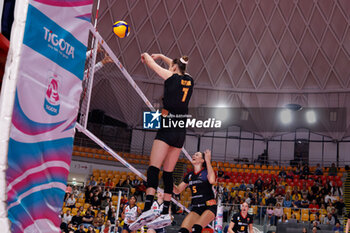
(197, 228)
(152, 177)
(168, 182)
(183, 230)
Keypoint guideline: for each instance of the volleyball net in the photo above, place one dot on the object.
(110, 95)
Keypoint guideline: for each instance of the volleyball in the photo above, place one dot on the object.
(121, 29)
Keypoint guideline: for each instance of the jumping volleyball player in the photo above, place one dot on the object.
(130, 213)
(178, 87)
(240, 222)
(203, 203)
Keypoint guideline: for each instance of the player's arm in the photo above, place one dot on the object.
(230, 227)
(211, 173)
(181, 187)
(123, 213)
(166, 59)
(347, 226)
(148, 60)
(251, 230)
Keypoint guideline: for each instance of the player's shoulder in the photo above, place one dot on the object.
(235, 216)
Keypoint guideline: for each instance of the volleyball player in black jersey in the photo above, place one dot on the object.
(241, 221)
(203, 203)
(178, 87)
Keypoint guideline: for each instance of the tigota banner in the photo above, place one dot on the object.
(48, 90)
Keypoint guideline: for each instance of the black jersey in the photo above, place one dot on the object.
(241, 224)
(202, 190)
(177, 93)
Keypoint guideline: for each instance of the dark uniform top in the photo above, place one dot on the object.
(241, 224)
(202, 190)
(177, 93)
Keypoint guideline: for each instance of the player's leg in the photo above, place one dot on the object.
(158, 154)
(203, 221)
(187, 223)
(149, 230)
(165, 218)
(168, 168)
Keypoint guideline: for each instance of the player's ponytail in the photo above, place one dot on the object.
(181, 63)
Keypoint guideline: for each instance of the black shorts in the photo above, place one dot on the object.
(200, 210)
(126, 227)
(172, 137)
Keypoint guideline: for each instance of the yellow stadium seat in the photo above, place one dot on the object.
(245, 166)
(141, 205)
(263, 167)
(226, 164)
(297, 214)
(312, 217)
(305, 217)
(74, 211)
(65, 209)
(220, 164)
(241, 194)
(304, 211)
(238, 166)
(86, 205)
(287, 210)
(255, 209)
(257, 166)
(270, 167)
(78, 204)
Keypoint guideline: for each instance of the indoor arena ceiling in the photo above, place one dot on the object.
(271, 45)
(272, 51)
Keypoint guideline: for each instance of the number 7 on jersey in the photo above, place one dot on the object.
(185, 91)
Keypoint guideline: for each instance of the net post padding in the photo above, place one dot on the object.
(120, 159)
(7, 101)
(129, 78)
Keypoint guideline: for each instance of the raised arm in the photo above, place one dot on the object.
(181, 187)
(157, 56)
(251, 230)
(230, 227)
(211, 173)
(148, 60)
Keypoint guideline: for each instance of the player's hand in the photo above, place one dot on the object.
(99, 48)
(207, 155)
(107, 59)
(156, 56)
(143, 57)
